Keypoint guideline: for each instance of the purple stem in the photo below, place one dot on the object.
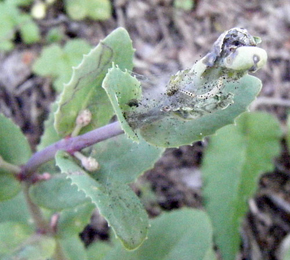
(71, 145)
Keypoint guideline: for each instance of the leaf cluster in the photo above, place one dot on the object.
(94, 9)
(14, 20)
(101, 83)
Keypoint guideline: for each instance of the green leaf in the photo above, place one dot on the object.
(98, 250)
(50, 135)
(73, 248)
(57, 62)
(182, 234)
(123, 160)
(11, 140)
(115, 201)
(121, 88)
(84, 90)
(7, 14)
(15, 210)
(37, 247)
(95, 9)
(99, 9)
(48, 61)
(11, 20)
(232, 163)
(174, 132)
(19, 2)
(11, 235)
(73, 221)
(29, 30)
(76, 9)
(56, 193)
(9, 186)
(186, 5)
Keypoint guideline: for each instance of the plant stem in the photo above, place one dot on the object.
(71, 145)
(41, 224)
(59, 254)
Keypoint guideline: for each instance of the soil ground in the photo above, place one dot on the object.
(166, 40)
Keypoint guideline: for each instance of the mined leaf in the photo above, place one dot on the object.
(84, 89)
(182, 234)
(115, 201)
(122, 88)
(174, 132)
(14, 149)
(57, 62)
(73, 221)
(56, 193)
(73, 248)
(123, 160)
(232, 163)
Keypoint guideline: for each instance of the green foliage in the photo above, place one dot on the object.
(12, 19)
(197, 103)
(73, 248)
(232, 163)
(11, 140)
(15, 210)
(54, 35)
(73, 221)
(84, 89)
(12, 234)
(56, 62)
(98, 250)
(173, 132)
(186, 5)
(123, 160)
(94, 9)
(122, 88)
(36, 247)
(116, 202)
(19, 2)
(19, 242)
(56, 193)
(181, 234)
